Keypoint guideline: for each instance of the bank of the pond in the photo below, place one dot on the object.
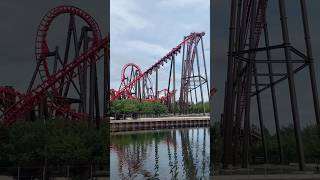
(159, 123)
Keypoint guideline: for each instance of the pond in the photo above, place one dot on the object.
(161, 154)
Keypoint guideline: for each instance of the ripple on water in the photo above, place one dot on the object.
(162, 154)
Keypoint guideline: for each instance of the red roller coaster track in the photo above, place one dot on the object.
(15, 105)
(135, 92)
(41, 46)
(156, 66)
(125, 68)
(31, 99)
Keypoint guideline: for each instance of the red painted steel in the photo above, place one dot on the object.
(14, 105)
(41, 45)
(157, 65)
(125, 68)
(9, 96)
(31, 99)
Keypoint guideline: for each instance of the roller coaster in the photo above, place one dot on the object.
(254, 67)
(65, 81)
(53, 87)
(138, 85)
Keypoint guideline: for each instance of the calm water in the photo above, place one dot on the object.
(162, 154)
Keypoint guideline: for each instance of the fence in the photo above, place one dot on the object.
(266, 171)
(86, 172)
(130, 116)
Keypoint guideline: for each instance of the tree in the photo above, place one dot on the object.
(159, 108)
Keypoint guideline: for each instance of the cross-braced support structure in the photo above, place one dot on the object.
(192, 80)
(194, 88)
(67, 85)
(49, 61)
(251, 57)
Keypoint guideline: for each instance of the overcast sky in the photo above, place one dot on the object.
(143, 31)
(220, 30)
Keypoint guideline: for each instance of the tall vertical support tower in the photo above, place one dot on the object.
(251, 61)
(194, 79)
(171, 101)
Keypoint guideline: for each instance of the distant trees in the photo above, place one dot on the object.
(121, 109)
(133, 108)
(194, 108)
(198, 108)
(310, 138)
(311, 141)
(124, 107)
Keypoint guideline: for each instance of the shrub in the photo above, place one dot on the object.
(54, 142)
(134, 107)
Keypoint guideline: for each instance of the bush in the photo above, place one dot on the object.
(134, 107)
(310, 139)
(55, 142)
(125, 107)
(147, 108)
(159, 108)
(198, 108)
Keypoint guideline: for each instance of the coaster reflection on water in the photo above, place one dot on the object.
(161, 154)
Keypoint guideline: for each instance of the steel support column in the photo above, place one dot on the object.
(291, 82)
(228, 111)
(310, 60)
(273, 93)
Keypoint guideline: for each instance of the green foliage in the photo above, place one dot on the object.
(216, 140)
(134, 107)
(125, 107)
(54, 142)
(310, 139)
(147, 108)
(159, 108)
(198, 108)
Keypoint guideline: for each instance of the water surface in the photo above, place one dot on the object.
(161, 154)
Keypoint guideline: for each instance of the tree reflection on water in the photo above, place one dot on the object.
(163, 154)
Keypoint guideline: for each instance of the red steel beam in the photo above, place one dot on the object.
(31, 99)
(162, 61)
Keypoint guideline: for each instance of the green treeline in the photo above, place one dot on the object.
(197, 108)
(134, 108)
(194, 108)
(53, 142)
(310, 139)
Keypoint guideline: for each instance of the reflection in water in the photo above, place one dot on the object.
(163, 154)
